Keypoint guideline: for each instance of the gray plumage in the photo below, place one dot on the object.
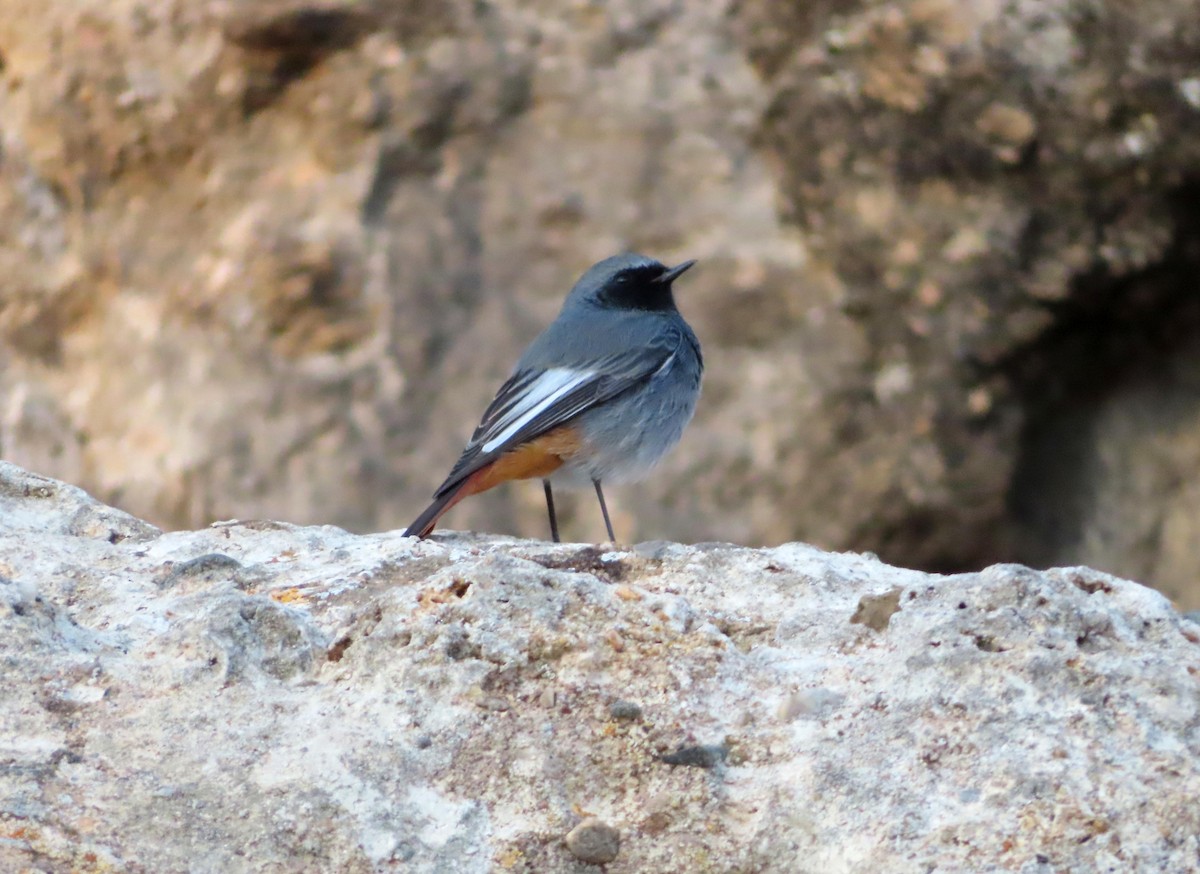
(619, 363)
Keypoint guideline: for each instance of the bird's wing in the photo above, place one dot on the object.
(534, 401)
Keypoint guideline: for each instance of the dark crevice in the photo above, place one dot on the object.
(300, 30)
(1110, 326)
(284, 44)
(396, 162)
(1111, 331)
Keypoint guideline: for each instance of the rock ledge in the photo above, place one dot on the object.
(262, 697)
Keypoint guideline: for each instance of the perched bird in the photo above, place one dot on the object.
(600, 396)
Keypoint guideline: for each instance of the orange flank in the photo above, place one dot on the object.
(539, 457)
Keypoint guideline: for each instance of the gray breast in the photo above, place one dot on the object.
(631, 433)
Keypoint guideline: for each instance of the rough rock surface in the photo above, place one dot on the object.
(271, 258)
(264, 697)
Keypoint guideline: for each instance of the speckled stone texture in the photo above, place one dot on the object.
(259, 697)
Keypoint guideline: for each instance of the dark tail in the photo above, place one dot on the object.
(427, 521)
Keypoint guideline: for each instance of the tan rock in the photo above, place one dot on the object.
(272, 259)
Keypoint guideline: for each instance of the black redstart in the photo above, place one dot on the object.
(600, 396)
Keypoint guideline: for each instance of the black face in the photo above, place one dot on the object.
(640, 288)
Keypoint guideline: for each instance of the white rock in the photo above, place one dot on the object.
(314, 700)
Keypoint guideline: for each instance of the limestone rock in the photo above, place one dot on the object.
(317, 700)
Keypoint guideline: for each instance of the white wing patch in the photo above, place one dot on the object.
(537, 397)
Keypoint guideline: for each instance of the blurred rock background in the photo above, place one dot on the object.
(271, 259)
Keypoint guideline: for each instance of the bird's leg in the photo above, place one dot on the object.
(604, 509)
(550, 510)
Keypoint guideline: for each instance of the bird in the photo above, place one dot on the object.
(601, 395)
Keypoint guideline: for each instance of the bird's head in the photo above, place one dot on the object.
(629, 282)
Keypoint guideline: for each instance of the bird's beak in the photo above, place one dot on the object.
(675, 272)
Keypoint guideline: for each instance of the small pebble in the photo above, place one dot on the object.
(697, 757)
(210, 567)
(625, 711)
(876, 611)
(594, 841)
